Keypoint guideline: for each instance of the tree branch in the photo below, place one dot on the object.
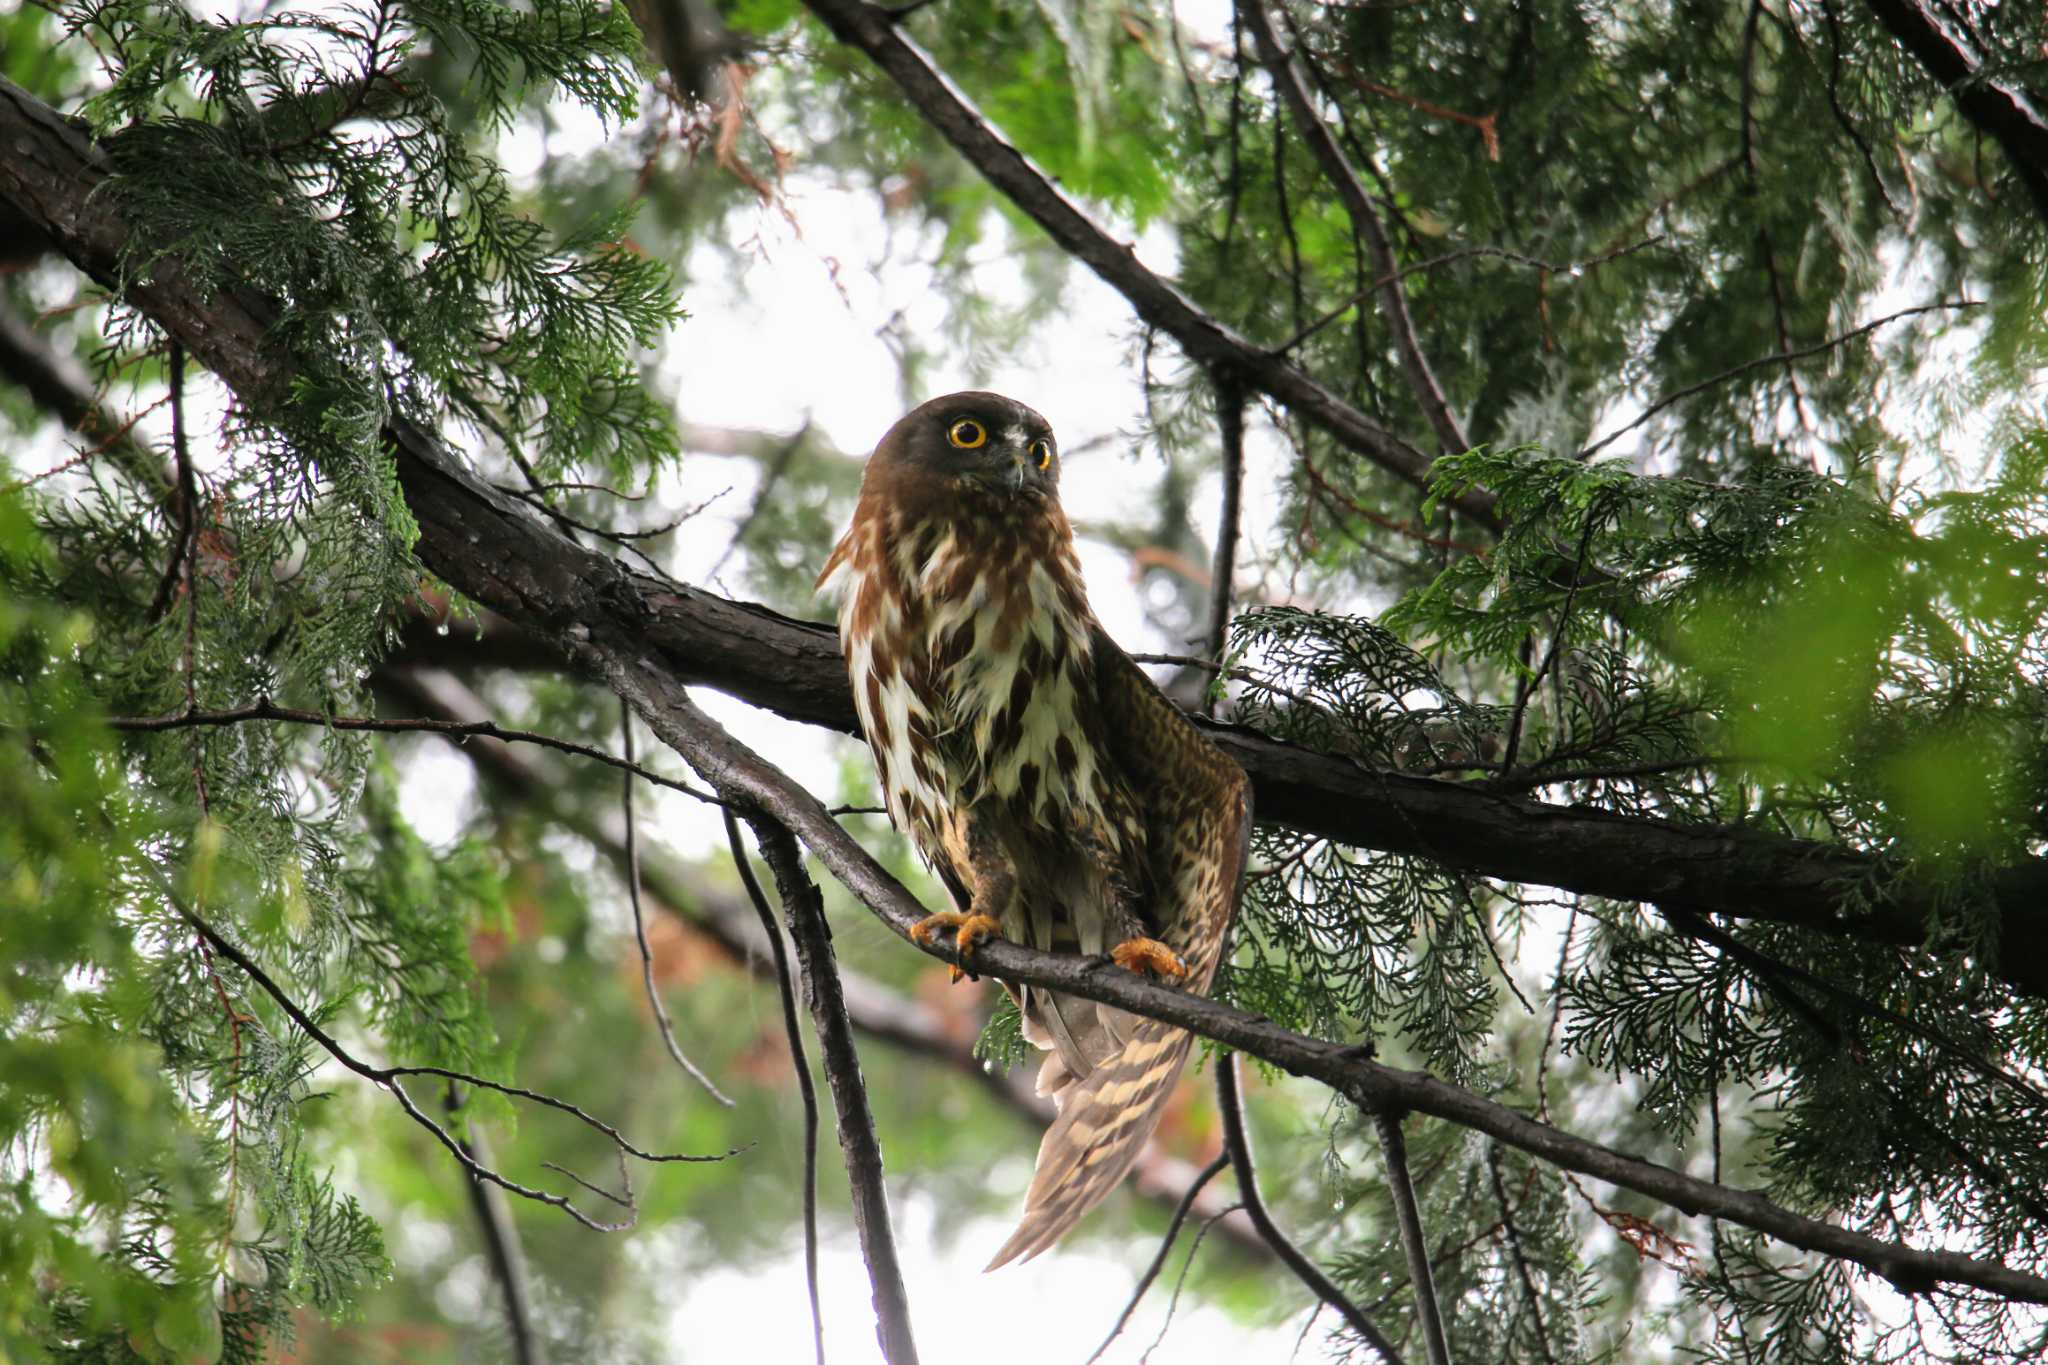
(2003, 113)
(1414, 1243)
(785, 988)
(1206, 340)
(803, 910)
(1238, 1143)
(662, 1023)
(879, 1012)
(1180, 1216)
(1280, 65)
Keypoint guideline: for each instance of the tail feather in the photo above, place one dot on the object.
(1103, 1124)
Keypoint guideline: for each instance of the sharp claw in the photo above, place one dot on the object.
(970, 932)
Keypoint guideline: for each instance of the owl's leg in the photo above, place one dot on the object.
(1150, 957)
(993, 891)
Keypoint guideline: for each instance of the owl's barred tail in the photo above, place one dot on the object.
(1103, 1124)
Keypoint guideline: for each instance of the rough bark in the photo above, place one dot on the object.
(501, 554)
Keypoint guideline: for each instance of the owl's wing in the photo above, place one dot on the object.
(1198, 818)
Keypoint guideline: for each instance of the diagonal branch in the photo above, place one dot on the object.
(803, 910)
(1205, 339)
(1287, 80)
(1993, 107)
(878, 1011)
(1238, 1143)
(739, 774)
(500, 555)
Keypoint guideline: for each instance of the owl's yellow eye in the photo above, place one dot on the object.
(967, 434)
(1041, 451)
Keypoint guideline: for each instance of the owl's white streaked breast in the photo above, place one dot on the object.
(987, 658)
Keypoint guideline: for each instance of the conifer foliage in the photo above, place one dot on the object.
(1642, 666)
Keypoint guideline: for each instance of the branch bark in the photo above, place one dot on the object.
(2006, 115)
(803, 910)
(501, 555)
(1205, 339)
(633, 633)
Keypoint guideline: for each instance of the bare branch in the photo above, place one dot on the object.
(1204, 338)
(1237, 1142)
(1280, 65)
(662, 1022)
(263, 709)
(1765, 361)
(1180, 1215)
(786, 989)
(389, 1078)
(1401, 1185)
(1230, 425)
(804, 911)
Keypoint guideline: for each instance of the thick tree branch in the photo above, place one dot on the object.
(629, 632)
(501, 555)
(1994, 108)
(1205, 339)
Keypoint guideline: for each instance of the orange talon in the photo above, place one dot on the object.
(1150, 957)
(971, 932)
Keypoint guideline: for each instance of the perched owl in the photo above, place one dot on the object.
(1062, 799)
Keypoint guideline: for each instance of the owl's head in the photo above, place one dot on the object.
(981, 439)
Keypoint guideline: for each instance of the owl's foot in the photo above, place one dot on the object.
(971, 931)
(1149, 957)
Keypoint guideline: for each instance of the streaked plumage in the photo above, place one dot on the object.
(1037, 770)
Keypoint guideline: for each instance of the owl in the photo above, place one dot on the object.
(1064, 802)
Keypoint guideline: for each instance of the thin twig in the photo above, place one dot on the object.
(777, 467)
(1762, 362)
(1571, 269)
(1237, 1142)
(786, 989)
(1230, 424)
(1181, 1280)
(389, 1077)
(632, 869)
(1180, 1216)
(263, 709)
(1514, 1236)
(1564, 616)
(804, 911)
(502, 1248)
(1287, 80)
(1408, 1213)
